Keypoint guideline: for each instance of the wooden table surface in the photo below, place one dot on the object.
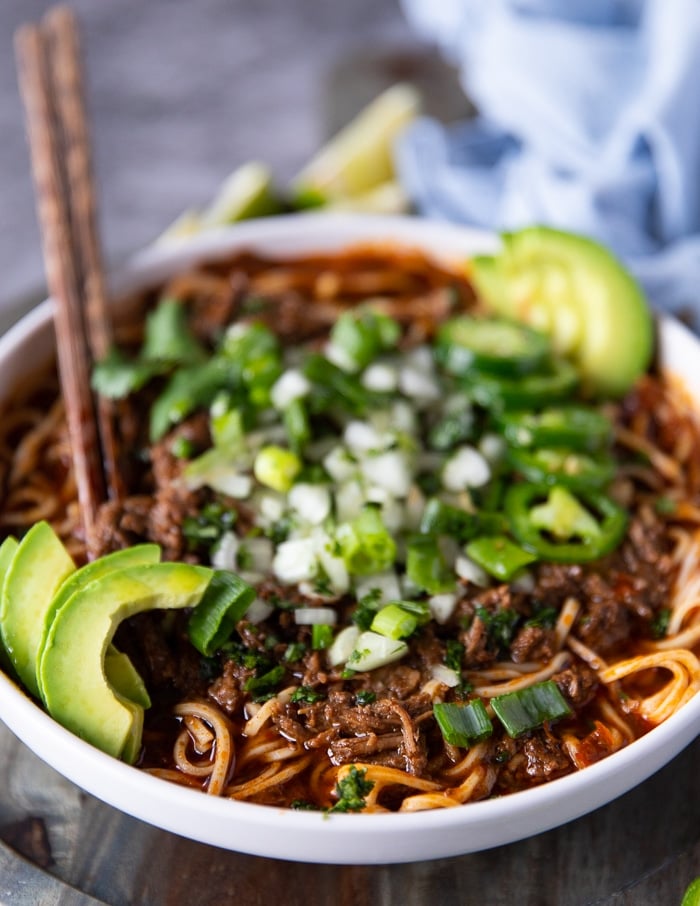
(181, 93)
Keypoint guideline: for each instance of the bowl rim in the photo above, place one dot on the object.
(312, 836)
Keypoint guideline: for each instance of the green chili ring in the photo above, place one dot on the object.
(577, 471)
(612, 523)
(572, 426)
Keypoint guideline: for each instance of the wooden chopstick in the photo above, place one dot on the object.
(50, 79)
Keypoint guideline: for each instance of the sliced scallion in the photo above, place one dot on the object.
(463, 724)
(531, 707)
(426, 566)
(223, 604)
(394, 622)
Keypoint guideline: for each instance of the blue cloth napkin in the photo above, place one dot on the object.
(589, 119)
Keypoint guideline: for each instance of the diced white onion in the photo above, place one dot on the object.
(390, 471)
(445, 675)
(403, 417)
(419, 385)
(333, 566)
(290, 385)
(260, 552)
(311, 502)
(415, 504)
(295, 560)
(394, 515)
(467, 569)
(380, 378)
(314, 616)
(225, 553)
(259, 610)
(231, 483)
(339, 464)
(271, 507)
(386, 583)
(465, 468)
(421, 359)
(373, 650)
(492, 447)
(342, 645)
(442, 606)
(349, 500)
(362, 437)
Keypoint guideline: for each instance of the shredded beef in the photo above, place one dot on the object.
(546, 757)
(532, 643)
(578, 684)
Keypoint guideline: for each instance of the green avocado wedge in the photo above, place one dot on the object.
(39, 566)
(139, 555)
(77, 692)
(575, 290)
(7, 552)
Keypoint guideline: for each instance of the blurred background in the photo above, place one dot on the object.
(181, 93)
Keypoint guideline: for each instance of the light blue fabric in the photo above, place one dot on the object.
(589, 120)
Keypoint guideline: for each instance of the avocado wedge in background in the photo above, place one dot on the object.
(8, 549)
(575, 290)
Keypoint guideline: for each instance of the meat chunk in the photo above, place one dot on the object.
(532, 643)
(545, 758)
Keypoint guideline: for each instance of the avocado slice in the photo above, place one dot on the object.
(125, 679)
(76, 690)
(38, 568)
(7, 552)
(577, 291)
(138, 555)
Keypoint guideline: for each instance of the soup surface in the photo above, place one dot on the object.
(468, 578)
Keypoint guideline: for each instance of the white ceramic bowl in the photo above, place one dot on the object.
(309, 836)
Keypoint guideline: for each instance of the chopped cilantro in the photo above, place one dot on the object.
(351, 791)
(453, 655)
(659, 625)
(546, 617)
(302, 805)
(365, 697)
(295, 652)
(366, 609)
(307, 695)
(500, 625)
(264, 686)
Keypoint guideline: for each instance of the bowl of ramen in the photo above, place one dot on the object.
(406, 562)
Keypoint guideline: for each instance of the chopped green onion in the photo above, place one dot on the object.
(499, 556)
(333, 388)
(394, 622)
(365, 543)
(362, 334)
(529, 708)
(321, 636)
(223, 604)
(463, 724)
(426, 566)
(296, 424)
(276, 467)
(373, 650)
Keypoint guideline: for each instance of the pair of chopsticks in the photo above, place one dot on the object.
(51, 85)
